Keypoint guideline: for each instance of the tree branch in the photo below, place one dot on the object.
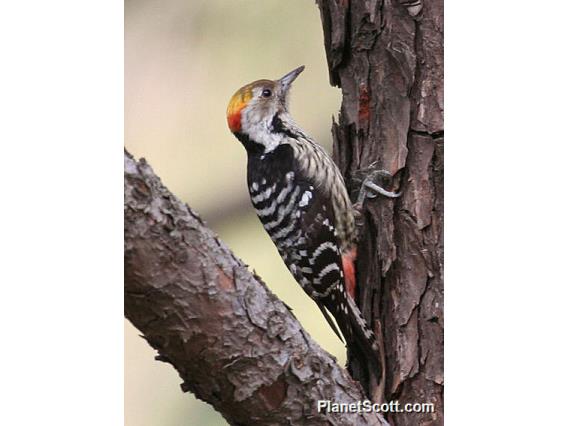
(234, 344)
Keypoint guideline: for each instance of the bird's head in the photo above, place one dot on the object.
(253, 107)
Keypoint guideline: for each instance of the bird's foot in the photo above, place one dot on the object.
(369, 188)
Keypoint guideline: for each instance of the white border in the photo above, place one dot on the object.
(61, 124)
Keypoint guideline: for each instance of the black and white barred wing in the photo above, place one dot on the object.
(299, 219)
(320, 269)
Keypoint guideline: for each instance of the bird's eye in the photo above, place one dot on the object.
(266, 93)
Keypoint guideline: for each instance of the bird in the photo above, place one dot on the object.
(302, 201)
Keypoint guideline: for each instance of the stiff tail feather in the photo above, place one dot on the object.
(352, 325)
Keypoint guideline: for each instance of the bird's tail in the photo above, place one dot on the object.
(352, 325)
(361, 341)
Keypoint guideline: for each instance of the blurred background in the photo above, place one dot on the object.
(183, 62)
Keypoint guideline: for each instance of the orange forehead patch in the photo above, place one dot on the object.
(236, 104)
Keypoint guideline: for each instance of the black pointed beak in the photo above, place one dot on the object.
(286, 81)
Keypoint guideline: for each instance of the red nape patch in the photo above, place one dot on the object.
(234, 121)
(348, 261)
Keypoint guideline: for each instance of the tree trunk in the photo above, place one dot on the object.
(387, 58)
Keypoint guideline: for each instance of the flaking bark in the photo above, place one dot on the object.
(233, 343)
(387, 58)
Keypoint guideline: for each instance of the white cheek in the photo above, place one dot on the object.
(258, 126)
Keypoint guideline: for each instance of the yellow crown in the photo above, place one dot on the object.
(236, 104)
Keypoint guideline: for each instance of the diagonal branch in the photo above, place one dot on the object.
(234, 344)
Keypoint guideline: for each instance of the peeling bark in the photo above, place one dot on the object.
(387, 58)
(233, 343)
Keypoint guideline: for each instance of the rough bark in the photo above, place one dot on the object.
(387, 58)
(234, 344)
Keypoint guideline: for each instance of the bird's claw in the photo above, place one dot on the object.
(369, 189)
(378, 190)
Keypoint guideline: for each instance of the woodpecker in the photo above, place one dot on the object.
(301, 199)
